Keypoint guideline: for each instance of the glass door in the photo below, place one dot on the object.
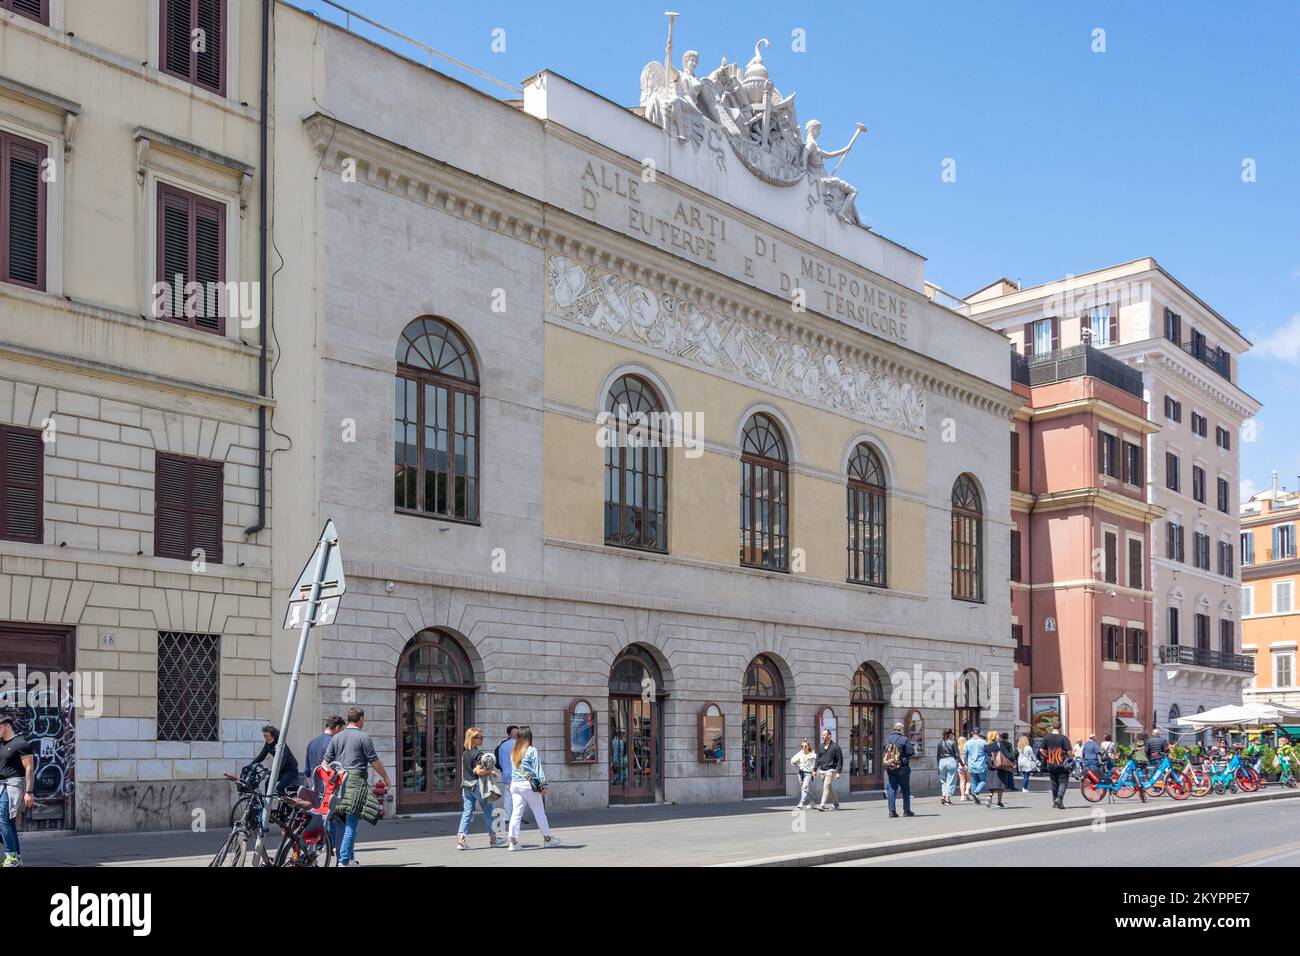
(633, 750)
(864, 747)
(761, 748)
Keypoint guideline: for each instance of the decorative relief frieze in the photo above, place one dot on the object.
(615, 305)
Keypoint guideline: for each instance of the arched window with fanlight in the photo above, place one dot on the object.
(636, 467)
(435, 706)
(967, 538)
(436, 423)
(866, 517)
(764, 495)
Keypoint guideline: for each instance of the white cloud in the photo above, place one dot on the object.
(1283, 343)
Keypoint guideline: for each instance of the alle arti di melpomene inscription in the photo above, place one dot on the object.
(650, 212)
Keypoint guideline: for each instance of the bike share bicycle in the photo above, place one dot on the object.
(300, 813)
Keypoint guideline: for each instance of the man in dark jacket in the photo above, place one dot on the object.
(316, 748)
(899, 779)
(830, 760)
(1055, 753)
(1157, 747)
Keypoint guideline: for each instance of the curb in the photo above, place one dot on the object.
(870, 850)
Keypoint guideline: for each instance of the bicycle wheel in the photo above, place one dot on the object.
(1200, 784)
(1126, 789)
(1090, 791)
(231, 853)
(238, 811)
(1177, 787)
(1248, 780)
(295, 851)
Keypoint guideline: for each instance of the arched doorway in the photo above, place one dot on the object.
(966, 703)
(636, 693)
(435, 703)
(762, 725)
(866, 715)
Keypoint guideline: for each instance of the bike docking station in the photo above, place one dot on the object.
(314, 601)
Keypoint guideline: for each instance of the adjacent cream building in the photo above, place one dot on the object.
(131, 440)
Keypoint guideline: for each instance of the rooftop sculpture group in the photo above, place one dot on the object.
(755, 118)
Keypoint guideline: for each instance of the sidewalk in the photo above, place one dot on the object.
(749, 833)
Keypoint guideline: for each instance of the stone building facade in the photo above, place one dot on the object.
(117, 418)
(519, 263)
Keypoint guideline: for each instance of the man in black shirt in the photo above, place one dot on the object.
(17, 781)
(829, 762)
(1157, 747)
(288, 763)
(1055, 753)
(899, 780)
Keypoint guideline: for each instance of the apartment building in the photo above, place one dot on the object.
(1270, 622)
(134, 555)
(1188, 356)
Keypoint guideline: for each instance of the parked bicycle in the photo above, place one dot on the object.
(299, 816)
(1122, 784)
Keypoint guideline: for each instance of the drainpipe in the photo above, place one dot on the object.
(263, 278)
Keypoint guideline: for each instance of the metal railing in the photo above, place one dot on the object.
(428, 52)
(1073, 362)
(1204, 657)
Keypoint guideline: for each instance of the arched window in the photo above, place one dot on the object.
(866, 514)
(435, 705)
(762, 730)
(967, 538)
(764, 495)
(636, 467)
(866, 717)
(636, 695)
(435, 423)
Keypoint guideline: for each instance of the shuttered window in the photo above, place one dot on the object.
(191, 250)
(1136, 571)
(22, 212)
(38, 10)
(22, 481)
(189, 686)
(188, 500)
(193, 42)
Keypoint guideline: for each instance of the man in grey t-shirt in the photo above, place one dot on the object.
(355, 751)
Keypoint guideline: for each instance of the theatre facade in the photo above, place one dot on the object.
(632, 430)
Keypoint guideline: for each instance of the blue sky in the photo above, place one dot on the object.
(1066, 159)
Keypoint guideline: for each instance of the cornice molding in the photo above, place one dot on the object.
(1097, 498)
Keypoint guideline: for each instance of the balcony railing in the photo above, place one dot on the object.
(1073, 362)
(1216, 358)
(1204, 657)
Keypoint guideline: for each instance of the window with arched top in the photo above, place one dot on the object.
(866, 687)
(636, 466)
(436, 423)
(967, 541)
(764, 495)
(866, 517)
(763, 679)
(435, 659)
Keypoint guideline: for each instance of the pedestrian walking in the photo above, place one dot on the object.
(1054, 753)
(17, 783)
(963, 770)
(949, 764)
(1092, 756)
(1025, 761)
(504, 764)
(354, 751)
(471, 769)
(316, 752)
(1107, 754)
(288, 762)
(805, 761)
(829, 763)
(977, 762)
(897, 755)
(528, 781)
(998, 763)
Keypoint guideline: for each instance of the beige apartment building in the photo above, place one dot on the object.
(134, 550)
(1270, 625)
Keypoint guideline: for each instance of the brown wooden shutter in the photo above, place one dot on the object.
(173, 249)
(171, 533)
(1112, 559)
(1029, 339)
(177, 30)
(1015, 461)
(1015, 556)
(1056, 334)
(209, 257)
(206, 500)
(22, 484)
(38, 10)
(210, 65)
(191, 248)
(22, 212)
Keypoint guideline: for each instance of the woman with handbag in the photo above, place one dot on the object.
(1026, 761)
(963, 771)
(472, 772)
(527, 788)
(949, 761)
(995, 781)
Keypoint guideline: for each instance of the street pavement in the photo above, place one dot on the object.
(1235, 835)
(752, 832)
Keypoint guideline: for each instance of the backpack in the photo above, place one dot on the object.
(893, 759)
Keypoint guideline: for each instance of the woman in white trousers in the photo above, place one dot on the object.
(527, 768)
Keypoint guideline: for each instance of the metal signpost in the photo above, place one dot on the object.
(313, 601)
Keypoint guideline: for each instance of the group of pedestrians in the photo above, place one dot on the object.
(511, 773)
(825, 765)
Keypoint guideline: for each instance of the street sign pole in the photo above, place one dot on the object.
(328, 541)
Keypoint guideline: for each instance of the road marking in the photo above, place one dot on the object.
(1260, 857)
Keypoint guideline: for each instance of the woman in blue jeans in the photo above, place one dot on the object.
(471, 793)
